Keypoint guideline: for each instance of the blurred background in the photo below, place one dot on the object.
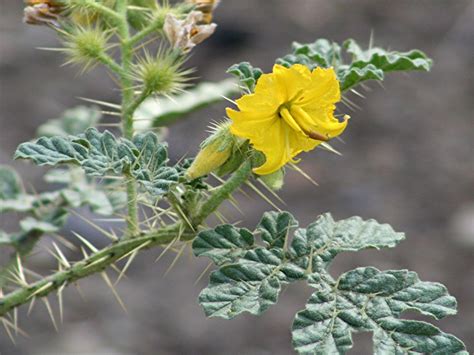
(408, 160)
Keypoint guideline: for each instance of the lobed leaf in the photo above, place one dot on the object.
(250, 277)
(246, 73)
(366, 299)
(98, 154)
(224, 244)
(275, 227)
(370, 64)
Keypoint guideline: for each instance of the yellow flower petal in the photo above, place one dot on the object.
(291, 111)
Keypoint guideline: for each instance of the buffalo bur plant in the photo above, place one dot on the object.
(275, 118)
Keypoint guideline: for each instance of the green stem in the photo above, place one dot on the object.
(127, 114)
(222, 193)
(154, 26)
(103, 258)
(104, 10)
(93, 264)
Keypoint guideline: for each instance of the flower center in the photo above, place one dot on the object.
(300, 121)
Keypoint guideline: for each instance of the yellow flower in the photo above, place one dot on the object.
(291, 111)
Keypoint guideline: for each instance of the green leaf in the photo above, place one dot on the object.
(246, 73)
(72, 122)
(250, 277)
(101, 153)
(251, 286)
(374, 62)
(330, 238)
(275, 227)
(150, 168)
(161, 111)
(366, 299)
(5, 239)
(370, 64)
(10, 183)
(224, 244)
(318, 330)
(322, 52)
(32, 224)
(402, 289)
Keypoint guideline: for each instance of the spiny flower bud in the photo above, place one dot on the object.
(85, 45)
(185, 34)
(215, 151)
(161, 74)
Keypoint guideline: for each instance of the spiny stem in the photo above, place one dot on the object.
(91, 265)
(109, 255)
(223, 193)
(127, 114)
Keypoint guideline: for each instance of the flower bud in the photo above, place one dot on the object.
(215, 152)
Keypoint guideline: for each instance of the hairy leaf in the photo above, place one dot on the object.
(250, 277)
(32, 224)
(370, 64)
(158, 112)
(275, 228)
(246, 73)
(10, 183)
(98, 154)
(374, 62)
(366, 299)
(224, 244)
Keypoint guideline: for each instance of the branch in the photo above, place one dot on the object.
(103, 258)
(91, 265)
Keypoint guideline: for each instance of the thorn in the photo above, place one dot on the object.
(175, 259)
(328, 147)
(50, 312)
(6, 325)
(166, 249)
(86, 242)
(30, 307)
(60, 302)
(65, 242)
(95, 226)
(79, 290)
(132, 254)
(21, 274)
(15, 320)
(201, 275)
(61, 256)
(235, 203)
(298, 169)
(103, 103)
(114, 291)
(262, 195)
(273, 193)
(42, 288)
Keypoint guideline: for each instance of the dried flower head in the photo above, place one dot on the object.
(187, 33)
(42, 12)
(207, 7)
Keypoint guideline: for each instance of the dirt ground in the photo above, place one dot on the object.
(407, 160)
